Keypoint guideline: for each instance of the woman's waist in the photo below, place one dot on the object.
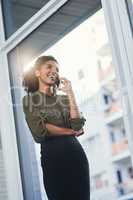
(57, 137)
(61, 140)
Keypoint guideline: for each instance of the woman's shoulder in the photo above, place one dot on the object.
(31, 98)
(27, 97)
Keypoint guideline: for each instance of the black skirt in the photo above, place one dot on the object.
(65, 169)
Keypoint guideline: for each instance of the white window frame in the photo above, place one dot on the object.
(119, 31)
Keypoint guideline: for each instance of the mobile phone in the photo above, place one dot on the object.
(57, 82)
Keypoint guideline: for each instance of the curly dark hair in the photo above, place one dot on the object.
(30, 82)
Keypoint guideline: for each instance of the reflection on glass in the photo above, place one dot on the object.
(48, 33)
(130, 11)
(3, 186)
(17, 12)
(54, 28)
(85, 59)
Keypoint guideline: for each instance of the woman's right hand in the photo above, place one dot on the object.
(56, 130)
(69, 131)
(80, 132)
(76, 133)
(66, 85)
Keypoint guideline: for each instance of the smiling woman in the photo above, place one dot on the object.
(32, 38)
(48, 72)
(41, 71)
(55, 122)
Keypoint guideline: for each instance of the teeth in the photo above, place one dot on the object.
(52, 77)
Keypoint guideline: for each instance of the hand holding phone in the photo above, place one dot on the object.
(65, 85)
(57, 82)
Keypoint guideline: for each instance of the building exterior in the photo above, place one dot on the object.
(118, 134)
(107, 141)
(28, 29)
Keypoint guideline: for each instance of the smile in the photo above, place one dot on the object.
(52, 77)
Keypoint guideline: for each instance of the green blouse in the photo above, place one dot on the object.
(40, 108)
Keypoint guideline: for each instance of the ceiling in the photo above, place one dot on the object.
(70, 15)
(24, 10)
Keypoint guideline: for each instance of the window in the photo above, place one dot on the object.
(100, 181)
(35, 44)
(53, 29)
(123, 131)
(106, 98)
(112, 136)
(17, 12)
(119, 176)
(130, 11)
(130, 172)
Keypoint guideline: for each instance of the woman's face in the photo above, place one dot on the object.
(48, 72)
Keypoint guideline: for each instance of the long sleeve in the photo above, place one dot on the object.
(36, 121)
(75, 123)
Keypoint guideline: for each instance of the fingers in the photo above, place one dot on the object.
(65, 80)
(65, 85)
(80, 132)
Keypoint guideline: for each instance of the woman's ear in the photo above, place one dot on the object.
(37, 73)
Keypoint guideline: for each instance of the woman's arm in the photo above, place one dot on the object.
(56, 130)
(39, 125)
(77, 121)
(67, 88)
(74, 110)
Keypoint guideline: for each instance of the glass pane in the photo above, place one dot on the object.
(17, 12)
(60, 23)
(54, 28)
(129, 4)
(130, 11)
(87, 62)
(85, 58)
(3, 186)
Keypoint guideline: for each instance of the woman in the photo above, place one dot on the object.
(55, 122)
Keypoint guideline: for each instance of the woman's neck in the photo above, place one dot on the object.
(46, 89)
